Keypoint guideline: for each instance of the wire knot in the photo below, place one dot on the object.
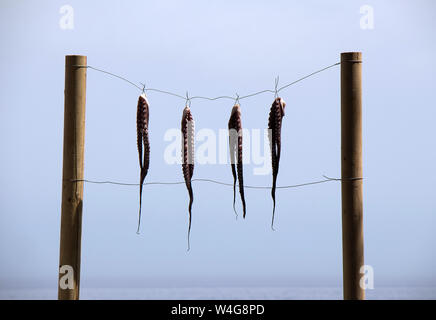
(237, 99)
(143, 87)
(188, 100)
(276, 84)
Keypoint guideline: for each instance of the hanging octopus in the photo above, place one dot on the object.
(187, 128)
(142, 116)
(235, 144)
(276, 114)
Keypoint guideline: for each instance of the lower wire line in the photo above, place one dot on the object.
(326, 179)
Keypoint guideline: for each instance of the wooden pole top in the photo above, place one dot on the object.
(351, 57)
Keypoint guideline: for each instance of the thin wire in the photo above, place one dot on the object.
(166, 92)
(110, 73)
(275, 91)
(326, 179)
(256, 93)
(212, 99)
(309, 75)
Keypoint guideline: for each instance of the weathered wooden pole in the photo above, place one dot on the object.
(351, 164)
(72, 189)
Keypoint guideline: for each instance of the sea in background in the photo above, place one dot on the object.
(230, 293)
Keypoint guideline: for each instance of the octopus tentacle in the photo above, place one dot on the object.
(234, 188)
(142, 117)
(232, 146)
(191, 200)
(239, 166)
(236, 150)
(241, 188)
(139, 129)
(276, 115)
(187, 128)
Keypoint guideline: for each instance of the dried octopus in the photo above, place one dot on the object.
(276, 114)
(187, 128)
(235, 145)
(142, 116)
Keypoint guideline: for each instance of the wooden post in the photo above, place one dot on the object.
(72, 190)
(351, 164)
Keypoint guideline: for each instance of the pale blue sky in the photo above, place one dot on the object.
(214, 48)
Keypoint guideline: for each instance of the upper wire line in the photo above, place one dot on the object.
(276, 90)
(142, 87)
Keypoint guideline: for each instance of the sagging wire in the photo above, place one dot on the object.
(276, 90)
(326, 179)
